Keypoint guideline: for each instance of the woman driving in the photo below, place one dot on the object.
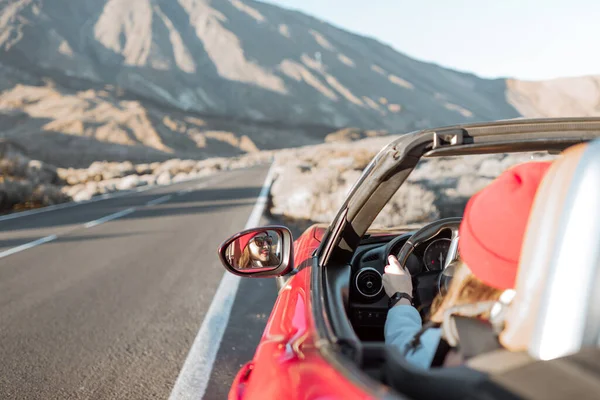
(491, 235)
(257, 251)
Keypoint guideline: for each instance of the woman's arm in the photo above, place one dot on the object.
(404, 321)
(402, 324)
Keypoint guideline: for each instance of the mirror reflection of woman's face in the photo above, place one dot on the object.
(260, 248)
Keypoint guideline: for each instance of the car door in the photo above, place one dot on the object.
(287, 364)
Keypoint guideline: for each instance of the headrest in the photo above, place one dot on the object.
(565, 210)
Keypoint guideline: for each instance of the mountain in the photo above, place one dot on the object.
(149, 80)
(565, 97)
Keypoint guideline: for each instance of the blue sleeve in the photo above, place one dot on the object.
(402, 324)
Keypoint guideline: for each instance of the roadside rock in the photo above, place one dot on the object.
(164, 178)
(106, 177)
(112, 173)
(125, 168)
(83, 195)
(73, 190)
(173, 167)
(412, 204)
(25, 194)
(148, 179)
(47, 195)
(143, 169)
(130, 182)
(39, 173)
(313, 182)
(26, 183)
(95, 172)
(108, 186)
(14, 192)
(180, 177)
(113, 176)
(15, 164)
(211, 163)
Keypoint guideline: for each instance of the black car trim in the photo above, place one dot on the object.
(340, 352)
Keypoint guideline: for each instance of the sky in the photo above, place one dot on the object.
(525, 39)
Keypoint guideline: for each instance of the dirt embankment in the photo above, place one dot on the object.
(313, 182)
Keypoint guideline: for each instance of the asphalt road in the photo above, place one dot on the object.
(109, 309)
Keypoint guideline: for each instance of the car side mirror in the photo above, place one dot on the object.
(263, 252)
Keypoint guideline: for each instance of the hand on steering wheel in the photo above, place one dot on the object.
(396, 278)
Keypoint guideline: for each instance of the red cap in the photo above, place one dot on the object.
(245, 239)
(494, 223)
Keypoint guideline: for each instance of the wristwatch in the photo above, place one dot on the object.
(396, 298)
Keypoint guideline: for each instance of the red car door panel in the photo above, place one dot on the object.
(286, 364)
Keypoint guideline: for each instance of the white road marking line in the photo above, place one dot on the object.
(159, 200)
(46, 239)
(195, 374)
(110, 217)
(63, 205)
(28, 245)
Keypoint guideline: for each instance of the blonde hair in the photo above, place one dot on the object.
(465, 288)
(245, 258)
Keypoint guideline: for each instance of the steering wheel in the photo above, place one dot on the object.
(422, 284)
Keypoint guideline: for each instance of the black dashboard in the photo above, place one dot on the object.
(367, 299)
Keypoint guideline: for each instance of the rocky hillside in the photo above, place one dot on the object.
(241, 58)
(566, 97)
(74, 128)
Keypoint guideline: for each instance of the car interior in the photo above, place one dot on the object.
(424, 258)
(551, 329)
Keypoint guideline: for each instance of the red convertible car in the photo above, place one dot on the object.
(324, 337)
